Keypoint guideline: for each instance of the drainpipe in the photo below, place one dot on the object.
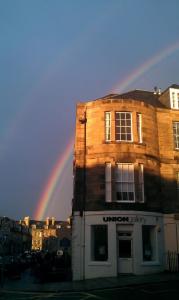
(83, 208)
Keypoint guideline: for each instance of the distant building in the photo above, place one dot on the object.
(14, 238)
(126, 183)
(50, 235)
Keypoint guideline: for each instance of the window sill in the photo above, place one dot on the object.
(125, 142)
(151, 263)
(99, 263)
(127, 202)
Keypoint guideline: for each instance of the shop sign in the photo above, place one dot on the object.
(124, 219)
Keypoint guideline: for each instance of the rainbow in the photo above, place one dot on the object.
(55, 177)
(143, 68)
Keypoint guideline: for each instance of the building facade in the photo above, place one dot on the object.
(51, 235)
(126, 183)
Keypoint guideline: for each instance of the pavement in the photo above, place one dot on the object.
(28, 284)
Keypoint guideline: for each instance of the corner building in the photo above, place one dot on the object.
(126, 183)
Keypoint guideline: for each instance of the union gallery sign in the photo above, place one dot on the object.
(124, 219)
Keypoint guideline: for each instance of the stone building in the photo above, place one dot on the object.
(51, 235)
(126, 183)
(14, 238)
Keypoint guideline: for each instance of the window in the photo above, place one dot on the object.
(123, 126)
(176, 134)
(124, 182)
(107, 126)
(173, 100)
(177, 181)
(149, 242)
(141, 183)
(139, 127)
(99, 242)
(108, 182)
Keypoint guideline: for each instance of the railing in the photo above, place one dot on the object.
(172, 261)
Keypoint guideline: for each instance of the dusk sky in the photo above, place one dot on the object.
(54, 53)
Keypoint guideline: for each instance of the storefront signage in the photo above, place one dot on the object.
(124, 219)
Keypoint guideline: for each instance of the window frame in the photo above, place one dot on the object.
(177, 184)
(174, 98)
(108, 183)
(107, 126)
(176, 135)
(141, 182)
(139, 127)
(152, 239)
(122, 183)
(119, 126)
(95, 255)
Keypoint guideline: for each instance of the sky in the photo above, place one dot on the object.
(55, 53)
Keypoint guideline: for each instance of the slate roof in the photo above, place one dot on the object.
(138, 95)
(174, 86)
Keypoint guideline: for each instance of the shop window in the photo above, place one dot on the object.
(99, 242)
(149, 242)
(123, 126)
(124, 181)
(107, 126)
(176, 134)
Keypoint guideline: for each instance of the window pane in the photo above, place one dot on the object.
(149, 242)
(107, 126)
(123, 127)
(99, 242)
(139, 127)
(124, 248)
(124, 177)
(176, 134)
(123, 137)
(108, 182)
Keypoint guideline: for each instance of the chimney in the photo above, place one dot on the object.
(27, 221)
(155, 90)
(53, 221)
(47, 221)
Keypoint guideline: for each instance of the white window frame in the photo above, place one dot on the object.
(139, 127)
(141, 182)
(177, 182)
(120, 126)
(108, 190)
(176, 134)
(108, 126)
(125, 184)
(174, 98)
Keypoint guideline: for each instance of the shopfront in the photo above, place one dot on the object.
(128, 242)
